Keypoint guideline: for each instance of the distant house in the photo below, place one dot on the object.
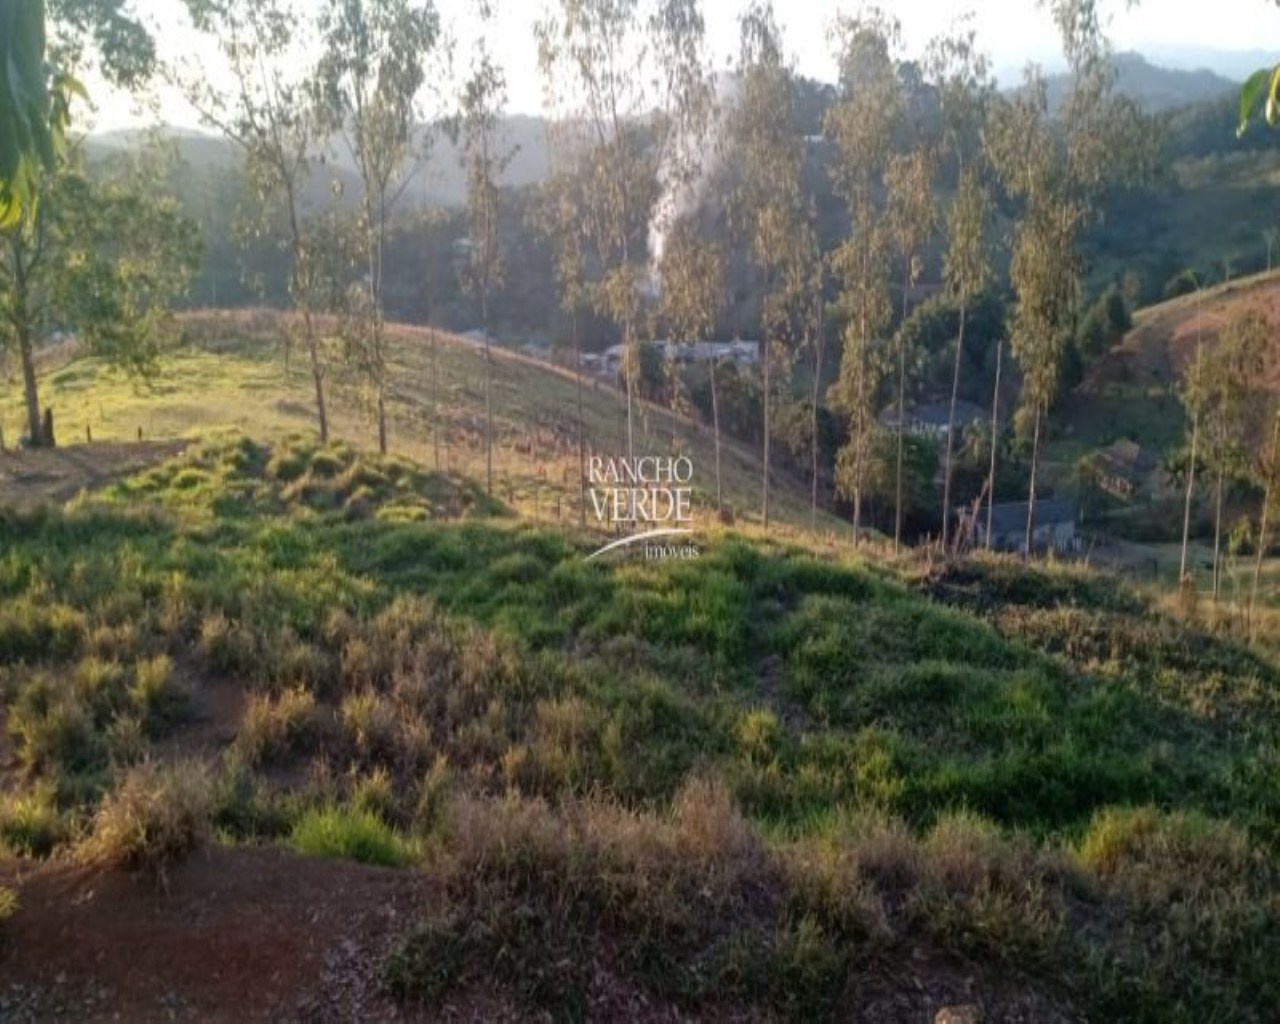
(932, 418)
(1123, 468)
(742, 353)
(611, 360)
(1055, 526)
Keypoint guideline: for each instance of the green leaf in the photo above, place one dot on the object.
(1250, 95)
(1273, 99)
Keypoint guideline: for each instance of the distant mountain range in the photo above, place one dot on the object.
(1156, 88)
(442, 180)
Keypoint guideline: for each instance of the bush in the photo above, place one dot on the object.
(30, 824)
(273, 729)
(8, 904)
(155, 694)
(54, 732)
(153, 819)
(358, 835)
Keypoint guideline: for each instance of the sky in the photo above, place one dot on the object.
(1012, 32)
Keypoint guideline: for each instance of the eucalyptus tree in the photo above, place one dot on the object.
(371, 73)
(909, 183)
(485, 158)
(768, 211)
(1227, 388)
(559, 216)
(270, 117)
(1266, 472)
(962, 76)
(623, 78)
(1057, 169)
(692, 297)
(862, 124)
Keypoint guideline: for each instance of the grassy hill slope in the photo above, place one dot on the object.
(231, 375)
(769, 784)
(1132, 391)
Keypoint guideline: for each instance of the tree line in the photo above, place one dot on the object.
(679, 200)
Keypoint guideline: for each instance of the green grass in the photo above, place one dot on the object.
(901, 757)
(228, 374)
(352, 835)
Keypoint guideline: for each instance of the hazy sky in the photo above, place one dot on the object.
(1013, 32)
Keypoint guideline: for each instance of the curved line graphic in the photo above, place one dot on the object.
(638, 537)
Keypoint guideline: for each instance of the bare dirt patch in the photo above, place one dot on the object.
(241, 935)
(1163, 343)
(36, 477)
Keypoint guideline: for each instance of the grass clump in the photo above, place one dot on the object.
(275, 728)
(153, 819)
(351, 834)
(31, 825)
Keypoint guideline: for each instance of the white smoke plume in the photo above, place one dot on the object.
(690, 166)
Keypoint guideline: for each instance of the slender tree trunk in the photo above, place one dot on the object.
(951, 429)
(488, 394)
(764, 508)
(488, 417)
(1217, 536)
(1031, 497)
(26, 349)
(995, 446)
(1191, 486)
(813, 426)
(582, 443)
(715, 420)
(630, 357)
(21, 320)
(902, 412)
(317, 374)
(382, 416)
(1195, 440)
(435, 396)
(1262, 527)
(308, 321)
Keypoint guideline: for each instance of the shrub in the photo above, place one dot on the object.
(153, 819)
(228, 646)
(8, 904)
(126, 741)
(375, 793)
(352, 834)
(272, 729)
(372, 725)
(53, 730)
(155, 694)
(30, 824)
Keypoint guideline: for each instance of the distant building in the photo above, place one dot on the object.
(1123, 468)
(1055, 526)
(742, 353)
(932, 418)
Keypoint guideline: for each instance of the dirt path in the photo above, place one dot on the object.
(31, 478)
(241, 935)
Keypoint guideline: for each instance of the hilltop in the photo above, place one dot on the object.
(1132, 391)
(784, 782)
